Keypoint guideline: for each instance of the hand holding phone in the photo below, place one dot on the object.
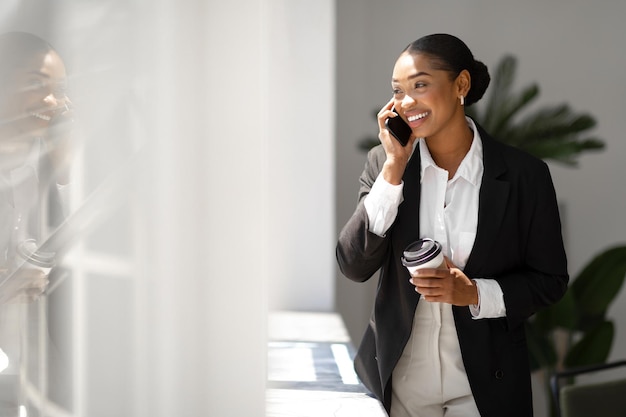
(398, 128)
(390, 123)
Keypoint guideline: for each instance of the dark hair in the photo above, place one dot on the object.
(449, 53)
(18, 48)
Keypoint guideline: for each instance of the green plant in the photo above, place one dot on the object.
(576, 331)
(587, 333)
(549, 132)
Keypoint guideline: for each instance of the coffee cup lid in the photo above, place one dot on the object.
(28, 250)
(422, 250)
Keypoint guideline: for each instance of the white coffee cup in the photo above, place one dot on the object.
(28, 253)
(423, 253)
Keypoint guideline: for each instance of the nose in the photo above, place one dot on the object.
(51, 100)
(57, 102)
(408, 101)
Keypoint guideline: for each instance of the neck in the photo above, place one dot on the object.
(449, 147)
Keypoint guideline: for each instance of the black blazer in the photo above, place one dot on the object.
(518, 243)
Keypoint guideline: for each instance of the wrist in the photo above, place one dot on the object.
(393, 170)
(475, 298)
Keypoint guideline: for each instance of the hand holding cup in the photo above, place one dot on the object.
(435, 277)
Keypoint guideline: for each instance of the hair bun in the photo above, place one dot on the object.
(480, 82)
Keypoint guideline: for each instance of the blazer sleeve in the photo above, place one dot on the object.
(543, 279)
(359, 252)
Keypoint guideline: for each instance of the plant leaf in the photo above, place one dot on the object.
(510, 108)
(562, 149)
(600, 281)
(593, 348)
(563, 314)
(500, 88)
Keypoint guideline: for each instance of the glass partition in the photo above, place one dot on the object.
(120, 289)
(72, 137)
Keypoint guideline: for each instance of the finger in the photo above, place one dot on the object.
(33, 292)
(24, 298)
(434, 298)
(432, 294)
(385, 113)
(449, 262)
(431, 272)
(426, 282)
(35, 288)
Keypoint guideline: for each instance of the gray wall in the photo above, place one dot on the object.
(573, 49)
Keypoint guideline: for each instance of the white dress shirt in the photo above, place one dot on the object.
(448, 214)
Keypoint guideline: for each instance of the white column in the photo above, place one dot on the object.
(201, 329)
(302, 152)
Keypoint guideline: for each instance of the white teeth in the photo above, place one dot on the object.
(417, 116)
(41, 116)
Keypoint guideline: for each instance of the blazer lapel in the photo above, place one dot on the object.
(494, 194)
(408, 211)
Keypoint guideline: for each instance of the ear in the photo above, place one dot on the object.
(463, 83)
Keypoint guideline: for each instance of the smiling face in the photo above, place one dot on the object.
(32, 95)
(35, 94)
(427, 98)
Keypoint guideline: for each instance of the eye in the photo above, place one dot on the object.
(420, 84)
(397, 91)
(34, 84)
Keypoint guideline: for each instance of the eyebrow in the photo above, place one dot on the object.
(38, 73)
(419, 74)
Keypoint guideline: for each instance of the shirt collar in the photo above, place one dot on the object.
(471, 168)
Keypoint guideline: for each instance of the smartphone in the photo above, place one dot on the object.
(398, 128)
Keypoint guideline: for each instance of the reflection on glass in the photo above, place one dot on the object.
(35, 155)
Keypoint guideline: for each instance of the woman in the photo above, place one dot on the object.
(35, 155)
(35, 151)
(451, 341)
(33, 102)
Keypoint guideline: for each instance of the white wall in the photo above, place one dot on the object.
(573, 49)
(301, 132)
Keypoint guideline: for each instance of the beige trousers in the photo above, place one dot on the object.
(429, 379)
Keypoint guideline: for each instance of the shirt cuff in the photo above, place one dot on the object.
(382, 204)
(490, 300)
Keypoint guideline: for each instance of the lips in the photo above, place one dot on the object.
(416, 117)
(41, 116)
